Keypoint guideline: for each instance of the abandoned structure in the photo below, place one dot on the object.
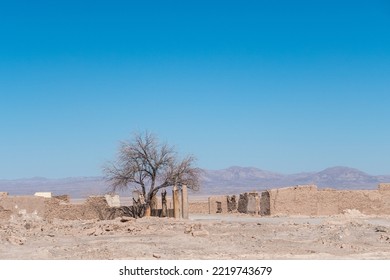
(45, 206)
(307, 200)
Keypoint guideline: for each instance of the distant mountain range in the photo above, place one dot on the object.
(248, 178)
(232, 180)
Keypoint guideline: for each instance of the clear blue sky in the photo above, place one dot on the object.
(286, 86)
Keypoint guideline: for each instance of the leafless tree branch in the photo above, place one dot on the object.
(146, 163)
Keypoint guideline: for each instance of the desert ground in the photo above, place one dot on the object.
(350, 235)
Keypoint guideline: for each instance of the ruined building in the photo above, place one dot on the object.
(308, 200)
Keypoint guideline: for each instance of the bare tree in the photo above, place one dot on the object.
(145, 164)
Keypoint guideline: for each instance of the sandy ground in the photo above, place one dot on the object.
(234, 236)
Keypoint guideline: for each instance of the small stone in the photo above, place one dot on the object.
(15, 240)
(125, 219)
(200, 233)
(90, 231)
(157, 256)
(380, 229)
(130, 229)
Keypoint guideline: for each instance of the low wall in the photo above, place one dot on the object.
(51, 208)
(22, 205)
(95, 207)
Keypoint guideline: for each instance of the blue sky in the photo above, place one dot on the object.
(287, 86)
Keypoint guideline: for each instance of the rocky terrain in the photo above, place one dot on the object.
(235, 236)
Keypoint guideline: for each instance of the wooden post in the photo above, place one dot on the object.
(184, 202)
(176, 203)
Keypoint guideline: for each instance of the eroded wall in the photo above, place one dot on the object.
(52, 208)
(249, 203)
(308, 200)
(298, 200)
(218, 204)
(22, 205)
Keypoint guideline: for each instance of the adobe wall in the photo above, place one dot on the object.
(265, 204)
(50, 208)
(21, 205)
(249, 203)
(384, 190)
(95, 207)
(298, 200)
(335, 202)
(215, 201)
(308, 200)
(199, 207)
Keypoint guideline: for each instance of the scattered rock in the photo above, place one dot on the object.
(200, 233)
(125, 219)
(131, 228)
(381, 229)
(196, 230)
(90, 231)
(385, 238)
(15, 240)
(157, 256)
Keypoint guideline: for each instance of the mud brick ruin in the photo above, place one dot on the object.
(307, 200)
(45, 206)
(48, 208)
